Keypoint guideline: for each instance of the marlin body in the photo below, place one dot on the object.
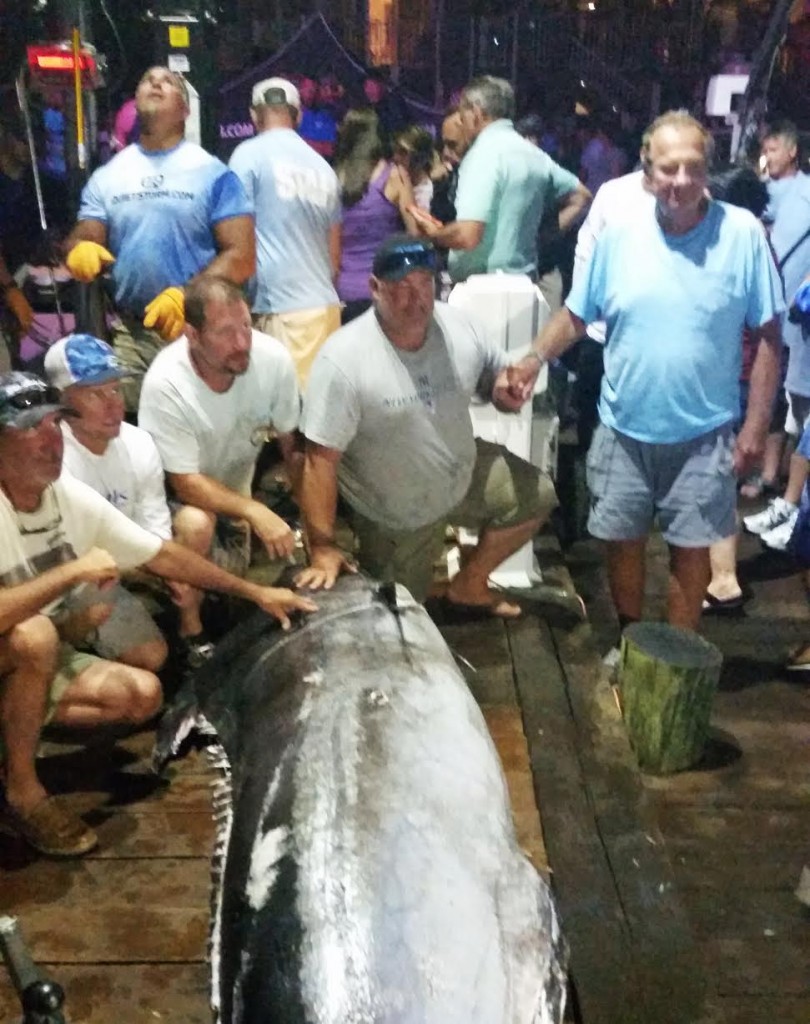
(366, 869)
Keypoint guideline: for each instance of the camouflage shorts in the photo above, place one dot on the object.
(135, 346)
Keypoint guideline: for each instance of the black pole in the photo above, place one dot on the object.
(754, 101)
(41, 998)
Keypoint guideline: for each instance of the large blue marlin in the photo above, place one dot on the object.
(366, 869)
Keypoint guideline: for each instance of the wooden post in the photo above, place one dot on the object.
(667, 677)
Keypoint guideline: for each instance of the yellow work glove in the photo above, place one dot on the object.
(166, 313)
(86, 260)
(20, 307)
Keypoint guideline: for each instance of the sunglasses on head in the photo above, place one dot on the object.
(407, 257)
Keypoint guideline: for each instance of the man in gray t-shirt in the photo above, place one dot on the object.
(386, 420)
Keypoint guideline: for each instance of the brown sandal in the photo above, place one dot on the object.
(51, 829)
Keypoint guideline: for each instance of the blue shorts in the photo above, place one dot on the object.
(689, 487)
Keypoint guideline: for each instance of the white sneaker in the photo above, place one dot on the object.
(610, 664)
(777, 538)
(777, 512)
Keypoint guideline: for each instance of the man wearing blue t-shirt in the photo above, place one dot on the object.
(676, 286)
(158, 214)
(789, 213)
(298, 216)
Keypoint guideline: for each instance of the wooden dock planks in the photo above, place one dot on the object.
(124, 930)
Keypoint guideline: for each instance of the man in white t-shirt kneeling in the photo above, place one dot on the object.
(120, 462)
(210, 401)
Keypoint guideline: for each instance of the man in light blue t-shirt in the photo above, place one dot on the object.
(676, 286)
(158, 214)
(789, 213)
(505, 185)
(298, 215)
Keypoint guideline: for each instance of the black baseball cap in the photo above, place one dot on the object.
(400, 254)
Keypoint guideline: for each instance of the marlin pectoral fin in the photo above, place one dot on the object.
(176, 725)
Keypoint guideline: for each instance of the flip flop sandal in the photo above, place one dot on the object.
(445, 612)
(722, 604)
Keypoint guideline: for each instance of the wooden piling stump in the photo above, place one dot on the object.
(668, 677)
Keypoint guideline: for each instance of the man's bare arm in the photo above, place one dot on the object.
(209, 494)
(22, 601)
(204, 492)
(459, 234)
(235, 239)
(87, 231)
(319, 491)
(175, 562)
(765, 375)
(573, 208)
(559, 334)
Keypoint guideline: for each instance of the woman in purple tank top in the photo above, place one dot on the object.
(377, 196)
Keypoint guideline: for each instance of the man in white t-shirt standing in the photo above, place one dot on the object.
(57, 535)
(210, 401)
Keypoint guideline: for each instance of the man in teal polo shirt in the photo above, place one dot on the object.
(505, 185)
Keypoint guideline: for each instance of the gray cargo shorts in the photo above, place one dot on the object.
(690, 487)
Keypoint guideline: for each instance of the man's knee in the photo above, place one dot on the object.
(506, 492)
(139, 695)
(194, 528)
(34, 642)
(150, 655)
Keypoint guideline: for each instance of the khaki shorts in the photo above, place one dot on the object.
(136, 347)
(69, 665)
(505, 491)
(303, 331)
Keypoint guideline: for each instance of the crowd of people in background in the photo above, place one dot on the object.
(291, 295)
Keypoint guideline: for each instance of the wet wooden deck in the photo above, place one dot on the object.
(735, 832)
(124, 930)
(676, 893)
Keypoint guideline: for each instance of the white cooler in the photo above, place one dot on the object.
(513, 310)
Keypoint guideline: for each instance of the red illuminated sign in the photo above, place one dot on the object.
(56, 60)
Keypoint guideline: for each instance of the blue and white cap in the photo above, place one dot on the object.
(81, 359)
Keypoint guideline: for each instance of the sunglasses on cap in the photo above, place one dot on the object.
(19, 408)
(397, 262)
(32, 399)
